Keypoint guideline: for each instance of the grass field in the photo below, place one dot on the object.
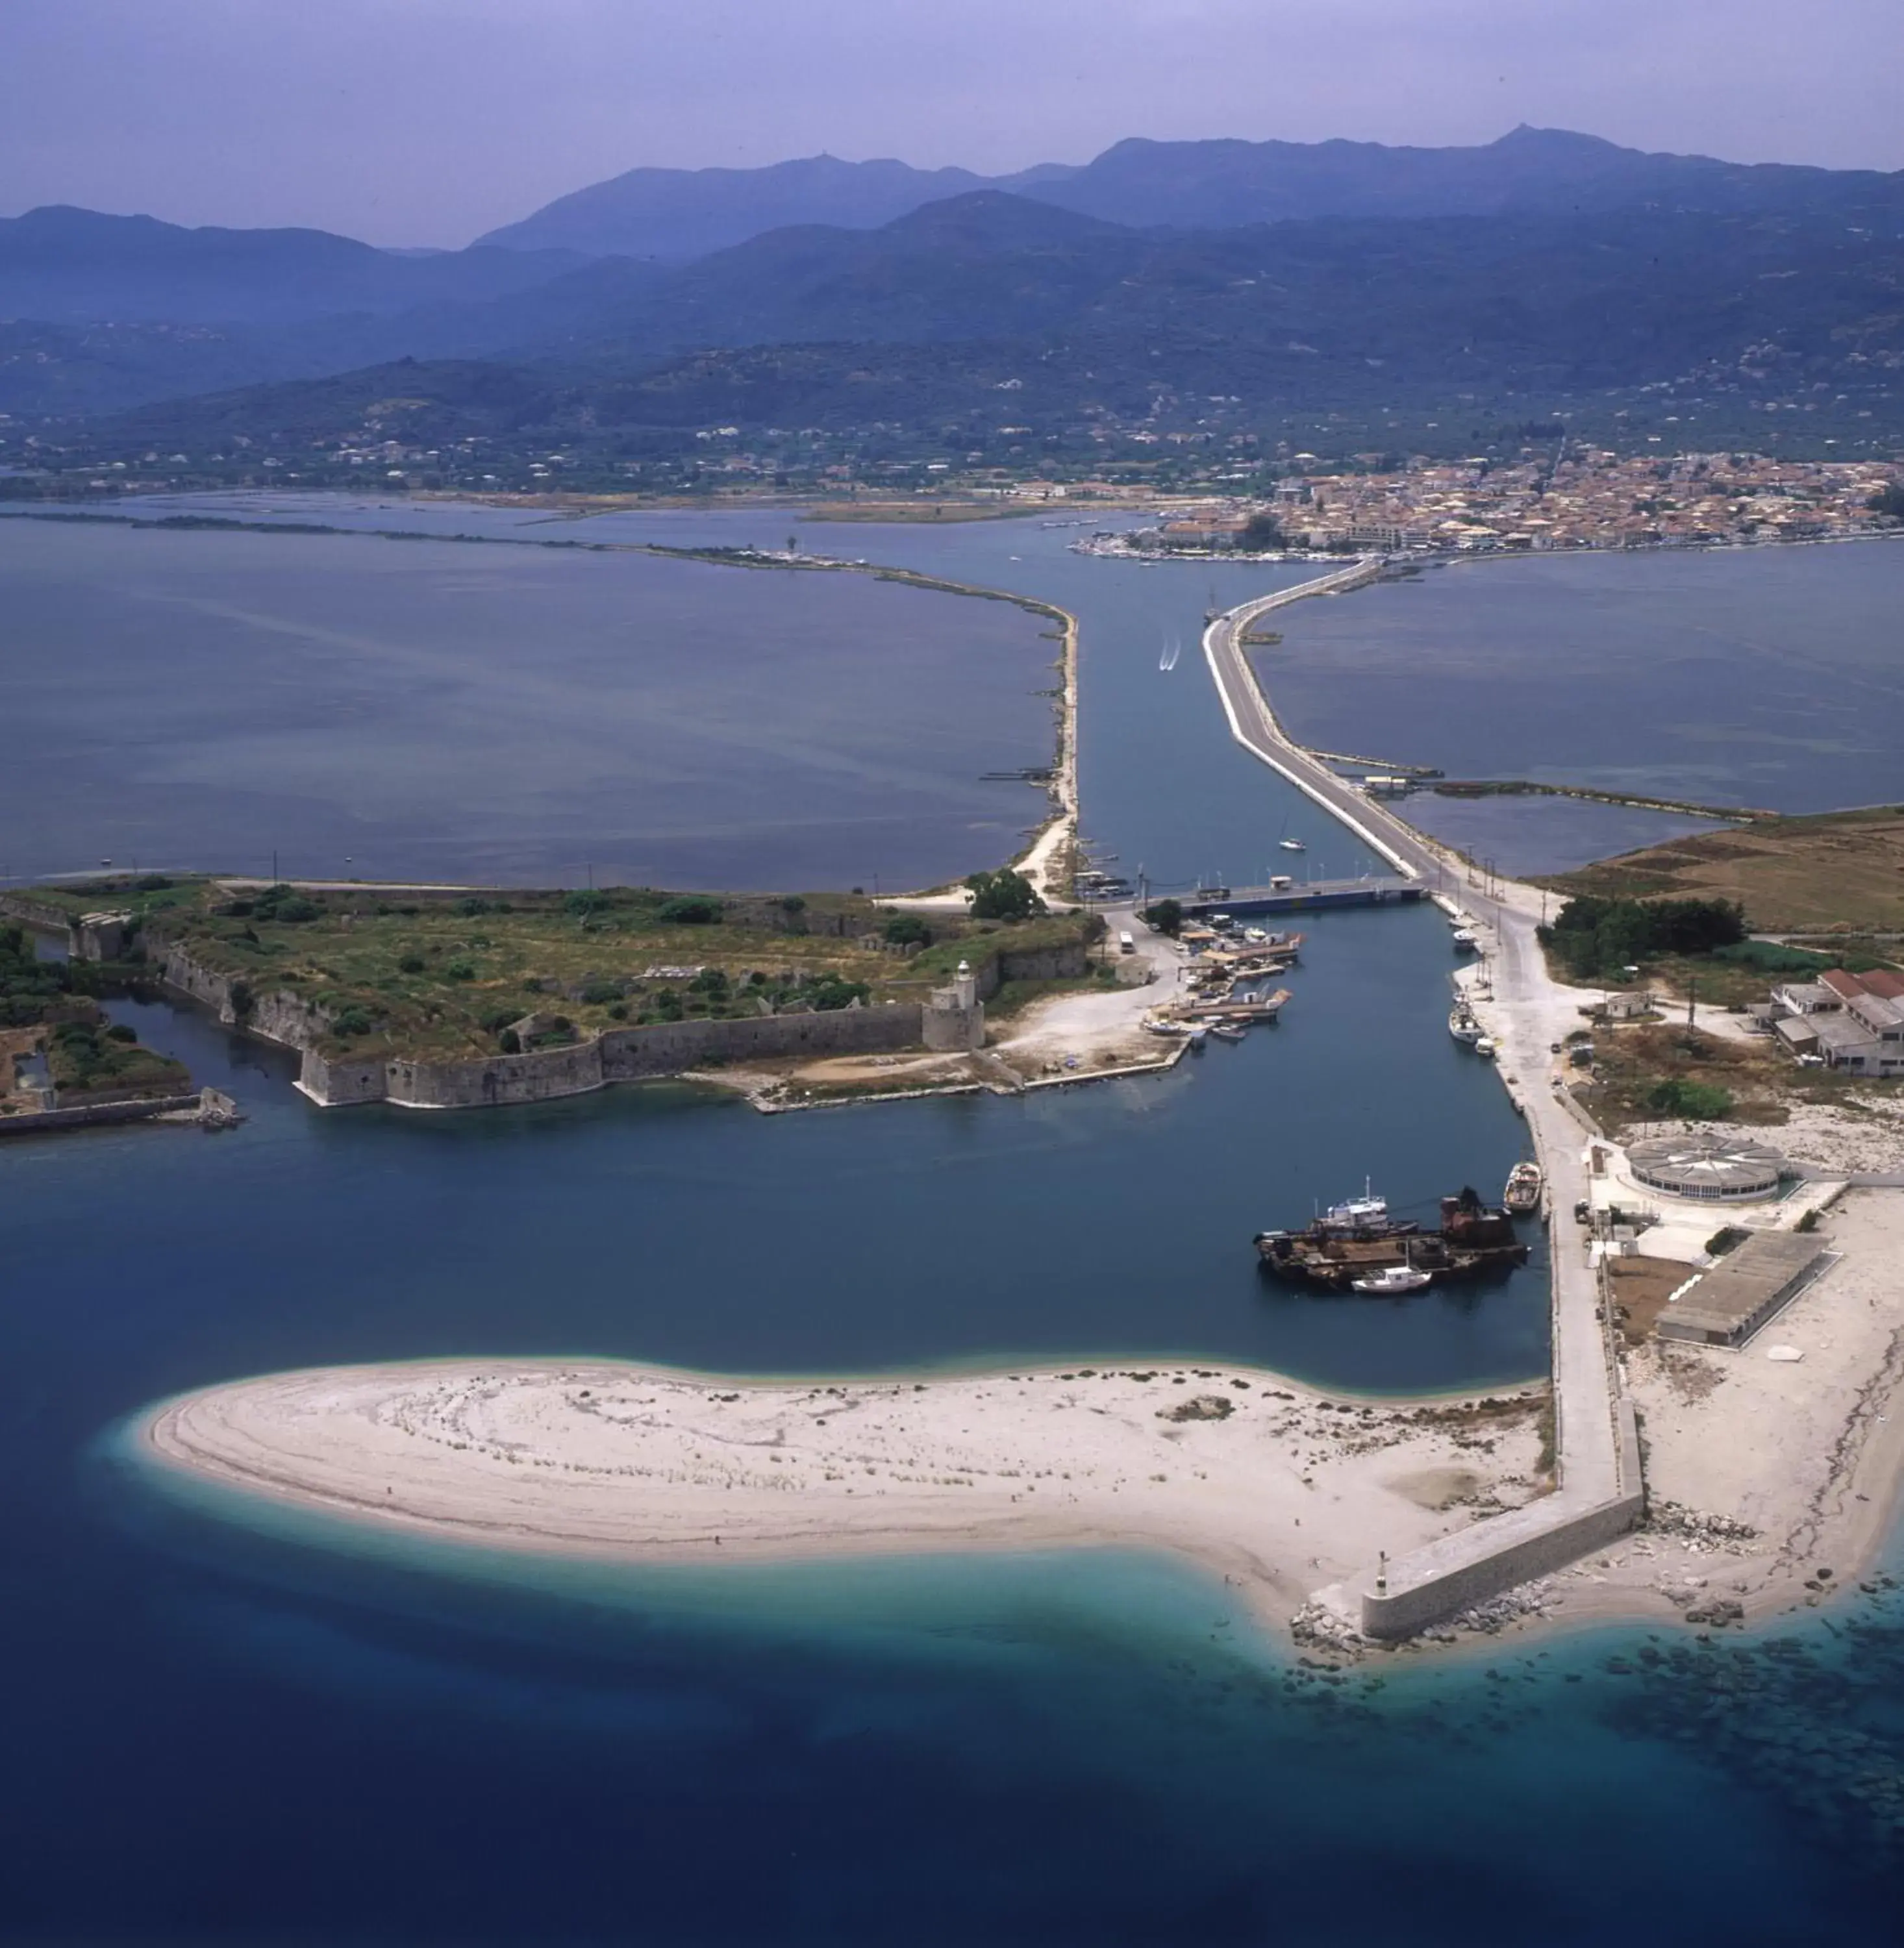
(1840, 872)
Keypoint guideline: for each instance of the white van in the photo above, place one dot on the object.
(1126, 945)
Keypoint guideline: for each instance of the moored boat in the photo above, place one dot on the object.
(1462, 1025)
(1486, 1048)
(1525, 1182)
(1358, 1240)
(1391, 1279)
(1465, 938)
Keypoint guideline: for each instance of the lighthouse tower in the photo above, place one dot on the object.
(954, 1018)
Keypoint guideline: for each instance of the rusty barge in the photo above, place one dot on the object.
(1346, 1248)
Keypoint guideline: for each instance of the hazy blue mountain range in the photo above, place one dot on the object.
(1205, 185)
(676, 214)
(98, 314)
(66, 266)
(989, 311)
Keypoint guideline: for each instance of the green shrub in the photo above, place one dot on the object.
(1593, 937)
(908, 930)
(585, 905)
(1004, 894)
(510, 1041)
(828, 992)
(118, 1032)
(459, 970)
(690, 909)
(1699, 1102)
(411, 963)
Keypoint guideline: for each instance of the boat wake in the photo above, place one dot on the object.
(1173, 649)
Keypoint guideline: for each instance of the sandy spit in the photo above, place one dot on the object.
(1277, 1488)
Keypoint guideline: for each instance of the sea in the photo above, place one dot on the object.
(230, 1722)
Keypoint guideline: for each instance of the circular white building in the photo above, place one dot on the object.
(1711, 1167)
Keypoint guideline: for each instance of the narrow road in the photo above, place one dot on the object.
(1526, 1013)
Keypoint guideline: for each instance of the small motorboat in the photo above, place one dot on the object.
(1292, 846)
(1391, 1278)
(1224, 1034)
(1197, 1031)
(1465, 938)
(1484, 1047)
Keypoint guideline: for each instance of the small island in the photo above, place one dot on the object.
(450, 996)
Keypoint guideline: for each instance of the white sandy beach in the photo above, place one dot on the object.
(1280, 1489)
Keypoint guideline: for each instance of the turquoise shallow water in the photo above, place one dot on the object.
(230, 1723)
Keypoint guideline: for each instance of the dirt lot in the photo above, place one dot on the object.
(1641, 1287)
(1839, 871)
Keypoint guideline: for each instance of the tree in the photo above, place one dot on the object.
(1888, 500)
(1004, 894)
(690, 909)
(1167, 917)
(1261, 532)
(908, 930)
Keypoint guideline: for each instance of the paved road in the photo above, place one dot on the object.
(1527, 1014)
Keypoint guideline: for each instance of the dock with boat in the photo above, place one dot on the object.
(1359, 1246)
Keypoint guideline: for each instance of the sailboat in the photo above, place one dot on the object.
(1288, 844)
(1173, 649)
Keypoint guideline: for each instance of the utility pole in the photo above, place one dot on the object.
(1692, 1000)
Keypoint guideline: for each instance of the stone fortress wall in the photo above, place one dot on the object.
(952, 1019)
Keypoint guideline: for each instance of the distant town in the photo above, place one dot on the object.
(1593, 498)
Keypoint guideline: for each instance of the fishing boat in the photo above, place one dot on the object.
(1525, 1182)
(1391, 1279)
(1462, 1025)
(1364, 1217)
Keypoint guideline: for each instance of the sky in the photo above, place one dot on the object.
(427, 121)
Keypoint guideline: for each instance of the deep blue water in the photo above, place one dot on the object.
(225, 1723)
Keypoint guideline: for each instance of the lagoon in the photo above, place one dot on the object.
(420, 710)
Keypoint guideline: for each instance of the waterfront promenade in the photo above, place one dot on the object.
(1596, 1449)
